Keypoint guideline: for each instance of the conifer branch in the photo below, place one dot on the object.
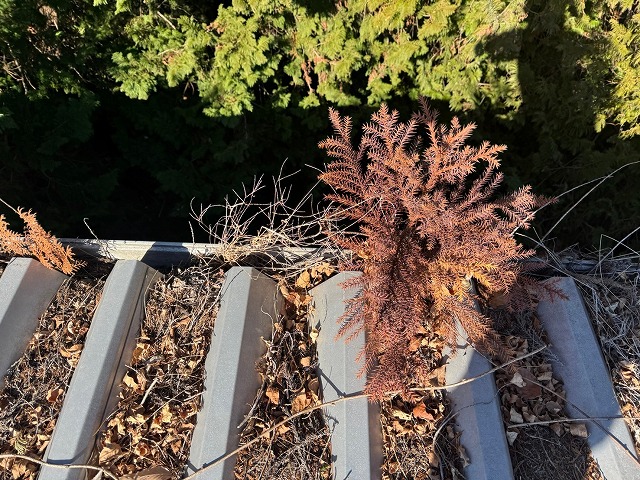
(427, 226)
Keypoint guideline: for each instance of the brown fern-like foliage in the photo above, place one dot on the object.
(427, 225)
(36, 242)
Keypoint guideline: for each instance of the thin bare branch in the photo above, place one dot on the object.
(59, 465)
(352, 396)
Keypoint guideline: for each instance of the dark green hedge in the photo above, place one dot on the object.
(122, 111)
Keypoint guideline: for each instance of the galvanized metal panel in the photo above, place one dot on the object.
(26, 289)
(581, 366)
(94, 385)
(356, 438)
(477, 408)
(248, 306)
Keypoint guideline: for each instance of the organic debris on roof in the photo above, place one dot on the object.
(300, 448)
(35, 386)
(613, 301)
(543, 443)
(419, 441)
(154, 420)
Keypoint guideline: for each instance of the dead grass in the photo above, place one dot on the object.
(153, 422)
(540, 454)
(34, 387)
(273, 236)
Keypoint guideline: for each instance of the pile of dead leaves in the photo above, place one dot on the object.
(531, 394)
(299, 449)
(34, 387)
(542, 442)
(418, 441)
(152, 425)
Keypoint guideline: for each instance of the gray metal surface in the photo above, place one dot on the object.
(356, 438)
(168, 254)
(26, 289)
(94, 385)
(477, 408)
(581, 366)
(248, 306)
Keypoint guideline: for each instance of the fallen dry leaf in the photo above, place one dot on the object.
(400, 414)
(71, 351)
(273, 394)
(553, 407)
(305, 361)
(415, 344)
(578, 430)
(314, 385)
(515, 417)
(130, 382)
(528, 390)
(517, 380)
(109, 452)
(545, 377)
(299, 403)
(142, 449)
(53, 394)
(437, 376)
(165, 414)
(557, 429)
(400, 429)
(153, 473)
(511, 436)
(304, 280)
(323, 269)
(529, 417)
(139, 352)
(420, 411)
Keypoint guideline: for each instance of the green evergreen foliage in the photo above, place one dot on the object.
(59, 45)
(224, 90)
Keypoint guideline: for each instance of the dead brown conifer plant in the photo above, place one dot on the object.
(428, 223)
(35, 242)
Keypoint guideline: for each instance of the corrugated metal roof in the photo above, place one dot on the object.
(248, 304)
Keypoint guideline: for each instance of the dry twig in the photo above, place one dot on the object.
(352, 396)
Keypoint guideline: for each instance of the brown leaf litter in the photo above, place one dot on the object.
(419, 442)
(529, 394)
(34, 387)
(149, 432)
(612, 297)
(299, 449)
